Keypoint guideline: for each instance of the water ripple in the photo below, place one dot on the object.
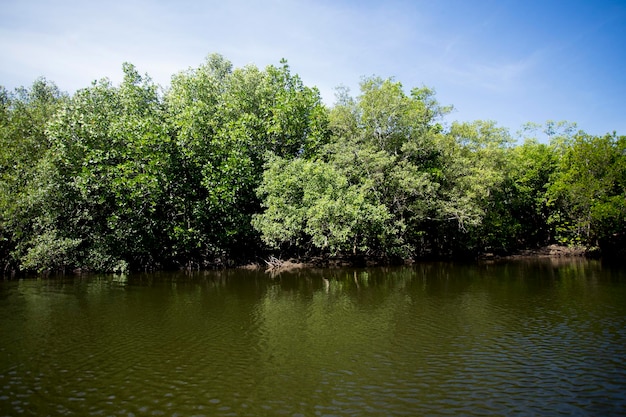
(428, 341)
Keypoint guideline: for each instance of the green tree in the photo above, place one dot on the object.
(384, 155)
(310, 204)
(473, 162)
(101, 183)
(517, 212)
(226, 124)
(588, 192)
(25, 114)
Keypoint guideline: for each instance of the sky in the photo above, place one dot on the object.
(508, 61)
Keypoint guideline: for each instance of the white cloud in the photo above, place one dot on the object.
(497, 77)
(459, 49)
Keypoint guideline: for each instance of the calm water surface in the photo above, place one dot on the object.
(539, 338)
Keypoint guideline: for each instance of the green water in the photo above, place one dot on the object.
(538, 338)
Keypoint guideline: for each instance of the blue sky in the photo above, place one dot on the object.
(509, 61)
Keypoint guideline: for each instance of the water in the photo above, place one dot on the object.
(538, 338)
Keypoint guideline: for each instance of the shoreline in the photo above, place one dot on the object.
(549, 251)
(553, 251)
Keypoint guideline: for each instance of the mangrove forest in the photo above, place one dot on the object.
(227, 166)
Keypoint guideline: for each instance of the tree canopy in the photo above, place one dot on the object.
(228, 165)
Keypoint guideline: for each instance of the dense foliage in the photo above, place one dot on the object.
(228, 165)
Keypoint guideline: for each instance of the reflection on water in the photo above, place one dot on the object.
(533, 338)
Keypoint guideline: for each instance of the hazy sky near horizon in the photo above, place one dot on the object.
(504, 60)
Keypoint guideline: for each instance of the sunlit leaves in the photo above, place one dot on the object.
(227, 123)
(588, 191)
(23, 148)
(373, 185)
(311, 203)
(228, 162)
(110, 152)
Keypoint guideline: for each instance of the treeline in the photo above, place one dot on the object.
(231, 165)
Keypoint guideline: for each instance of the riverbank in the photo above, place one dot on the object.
(551, 251)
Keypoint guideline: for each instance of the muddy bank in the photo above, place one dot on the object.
(273, 264)
(277, 265)
(551, 251)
